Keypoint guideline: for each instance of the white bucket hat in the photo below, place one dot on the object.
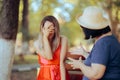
(93, 18)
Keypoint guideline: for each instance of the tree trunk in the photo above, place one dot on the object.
(113, 19)
(25, 30)
(8, 29)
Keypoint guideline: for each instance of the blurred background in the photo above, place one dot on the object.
(31, 13)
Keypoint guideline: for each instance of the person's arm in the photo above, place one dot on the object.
(95, 71)
(64, 48)
(39, 50)
(46, 51)
(80, 51)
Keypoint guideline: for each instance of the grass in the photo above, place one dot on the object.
(26, 59)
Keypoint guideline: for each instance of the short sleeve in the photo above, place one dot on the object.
(100, 53)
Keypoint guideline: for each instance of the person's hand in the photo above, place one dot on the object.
(45, 32)
(75, 64)
(48, 30)
(80, 51)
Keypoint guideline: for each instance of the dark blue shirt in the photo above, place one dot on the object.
(106, 51)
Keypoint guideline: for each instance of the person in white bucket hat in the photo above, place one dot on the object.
(103, 62)
(93, 18)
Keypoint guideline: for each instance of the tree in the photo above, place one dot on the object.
(25, 30)
(25, 25)
(8, 29)
(113, 8)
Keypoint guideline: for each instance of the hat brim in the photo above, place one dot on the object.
(90, 25)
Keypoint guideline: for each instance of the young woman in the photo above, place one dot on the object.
(51, 49)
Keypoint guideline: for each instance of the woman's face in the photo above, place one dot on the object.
(50, 29)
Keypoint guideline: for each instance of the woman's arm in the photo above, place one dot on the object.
(95, 71)
(45, 51)
(40, 51)
(64, 49)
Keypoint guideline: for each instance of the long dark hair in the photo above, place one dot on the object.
(56, 37)
(92, 33)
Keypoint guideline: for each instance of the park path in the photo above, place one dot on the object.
(25, 67)
(18, 72)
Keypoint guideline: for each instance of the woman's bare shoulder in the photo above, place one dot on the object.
(64, 38)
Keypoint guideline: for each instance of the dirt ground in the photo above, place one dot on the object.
(31, 75)
(24, 75)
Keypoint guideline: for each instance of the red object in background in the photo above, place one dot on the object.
(75, 74)
(75, 77)
(75, 56)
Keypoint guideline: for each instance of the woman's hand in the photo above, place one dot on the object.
(47, 30)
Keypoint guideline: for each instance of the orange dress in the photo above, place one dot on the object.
(50, 69)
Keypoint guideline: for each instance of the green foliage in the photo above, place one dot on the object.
(67, 10)
(69, 28)
(1, 2)
(28, 59)
(73, 32)
(117, 3)
(45, 7)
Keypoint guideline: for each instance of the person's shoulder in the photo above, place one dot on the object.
(63, 37)
(105, 41)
